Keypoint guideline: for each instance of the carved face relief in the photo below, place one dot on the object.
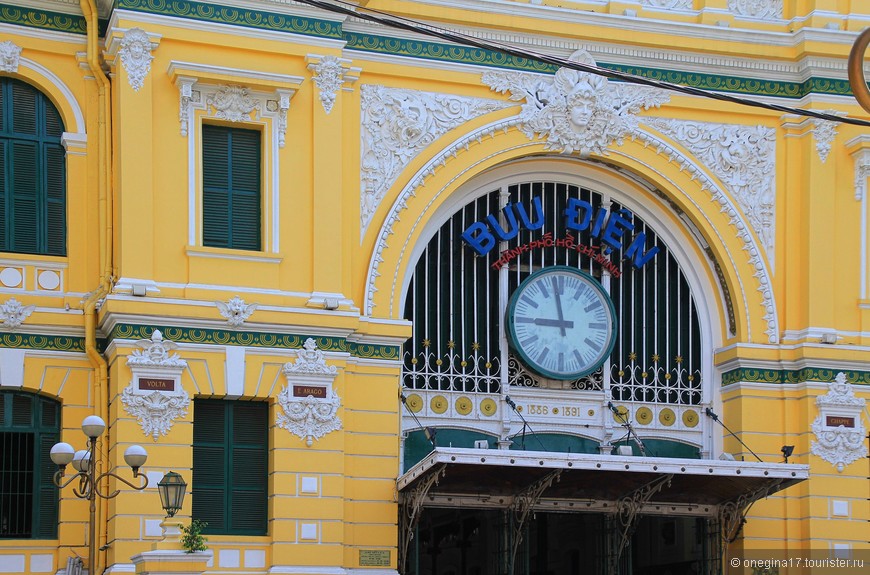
(575, 111)
(136, 56)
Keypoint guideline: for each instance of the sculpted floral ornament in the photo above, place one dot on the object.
(136, 56)
(328, 76)
(310, 361)
(233, 103)
(156, 411)
(155, 397)
(678, 4)
(397, 124)
(13, 313)
(309, 403)
(575, 111)
(768, 9)
(824, 132)
(743, 158)
(155, 353)
(839, 429)
(236, 311)
(10, 54)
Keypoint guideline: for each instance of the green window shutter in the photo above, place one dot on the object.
(33, 172)
(45, 491)
(230, 466)
(25, 109)
(249, 464)
(55, 187)
(209, 490)
(25, 198)
(231, 187)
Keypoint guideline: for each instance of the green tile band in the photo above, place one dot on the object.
(790, 377)
(246, 17)
(43, 342)
(43, 19)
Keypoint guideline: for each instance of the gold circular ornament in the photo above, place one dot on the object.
(591, 412)
(621, 415)
(555, 411)
(667, 417)
(488, 407)
(644, 416)
(463, 406)
(690, 418)
(438, 404)
(414, 403)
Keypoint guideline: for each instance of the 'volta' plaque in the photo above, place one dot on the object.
(156, 384)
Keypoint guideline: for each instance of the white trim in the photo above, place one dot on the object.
(43, 34)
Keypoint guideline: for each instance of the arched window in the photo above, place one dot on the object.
(29, 426)
(32, 172)
(453, 302)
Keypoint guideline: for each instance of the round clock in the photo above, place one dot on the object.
(561, 322)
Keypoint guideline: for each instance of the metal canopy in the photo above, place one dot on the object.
(624, 487)
(487, 478)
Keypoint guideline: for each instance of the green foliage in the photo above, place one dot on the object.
(192, 539)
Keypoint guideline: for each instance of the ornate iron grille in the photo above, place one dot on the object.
(457, 314)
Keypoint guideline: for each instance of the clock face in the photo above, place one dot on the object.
(561, 322)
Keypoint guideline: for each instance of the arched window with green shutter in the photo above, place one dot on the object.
(29, 426)
(32, 172)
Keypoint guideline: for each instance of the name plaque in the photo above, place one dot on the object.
(315, 391)
(156, 384)
(838, 420)
(374, 557)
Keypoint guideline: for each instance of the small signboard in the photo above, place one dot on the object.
(838, 420)
(374, 557)
(317, 391)
(156, 384)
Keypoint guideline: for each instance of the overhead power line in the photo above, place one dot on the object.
(402, 23)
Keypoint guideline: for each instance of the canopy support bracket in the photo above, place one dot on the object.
(628, 508)
(732, 514)
(410, 507)
(522, 506)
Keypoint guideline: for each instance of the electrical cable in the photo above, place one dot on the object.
(709, 413)
(513, 405)
(429, 432)
(627, 425)
(393, 21)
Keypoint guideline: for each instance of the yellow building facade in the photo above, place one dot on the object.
(283, 247)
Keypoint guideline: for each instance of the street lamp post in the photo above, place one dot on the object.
(88, 487)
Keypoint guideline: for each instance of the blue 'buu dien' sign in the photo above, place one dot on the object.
(613, 228)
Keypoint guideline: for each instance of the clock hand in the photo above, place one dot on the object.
(560, 323)
(559, 306)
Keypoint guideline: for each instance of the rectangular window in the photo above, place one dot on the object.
(231, 195)
(230, 466)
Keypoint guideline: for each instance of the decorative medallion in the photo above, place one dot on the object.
(13, 313)
(309, 403)
(236, 311)
(438, 404)
(488, 407)
(690, 418)
(463, 406)
(667, 417)
(644, 415)
(155, 396)
(233, 103)
(839, 429)
(621, 415)
(414, 403)
(397, 124)
(10, 54)
(575, 111)
(136, 56)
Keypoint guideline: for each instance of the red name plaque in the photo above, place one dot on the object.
(156, 384)
(837, 421)
(306, 390)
